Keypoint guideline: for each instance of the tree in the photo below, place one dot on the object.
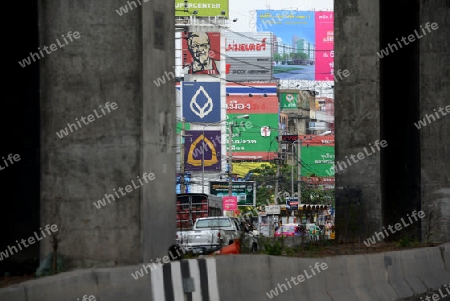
(265, 178)
(277, 57)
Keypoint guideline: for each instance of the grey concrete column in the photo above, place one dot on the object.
(357, 111)
(435, 136)
(115, 59)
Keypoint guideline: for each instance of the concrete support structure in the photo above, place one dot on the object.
(382, 99)
(116, 59)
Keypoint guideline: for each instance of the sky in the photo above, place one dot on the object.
(241, 9)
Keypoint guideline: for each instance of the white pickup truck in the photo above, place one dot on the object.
(209, 234)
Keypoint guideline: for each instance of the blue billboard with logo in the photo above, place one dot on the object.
(201, 101)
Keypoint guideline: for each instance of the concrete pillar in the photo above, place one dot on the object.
(357, 111)
(435, 137)
(383, 98)
(116, 59)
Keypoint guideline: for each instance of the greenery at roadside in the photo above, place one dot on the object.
(265, 178)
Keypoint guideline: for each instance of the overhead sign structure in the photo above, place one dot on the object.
(202, 151)
(244, 191)
(201, 52)
(204, 8)
(201, 101)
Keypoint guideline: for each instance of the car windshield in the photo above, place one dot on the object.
(211, 223)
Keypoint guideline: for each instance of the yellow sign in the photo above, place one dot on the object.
(206, 162)
(203, 8)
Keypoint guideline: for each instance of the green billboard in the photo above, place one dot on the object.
(258, 133)
(288, 100)
(245, 191)
(317, 160)
(204, 8)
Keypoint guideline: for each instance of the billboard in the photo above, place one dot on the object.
(249, 55)
(202, 151)
(204, 8)
(297, 41)
(255, 137)
(201, 52)
(248, 44)
(324, 45)
(245, 191)
(295, 99)
(201, 101)
(240, 104)
(317, 160)
(243, 69)
(229, 203)
(317, 154)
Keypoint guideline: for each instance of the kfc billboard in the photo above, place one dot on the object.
(201, 52)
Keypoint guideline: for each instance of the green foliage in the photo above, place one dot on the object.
(404, 243)
(275, 249)
(265, 178)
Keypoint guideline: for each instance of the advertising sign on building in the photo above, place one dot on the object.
(202, 151)
(243, 69)
(317, 155)
(201, 52)
(229, 203)
(244, 191)
(324, 45)
(201, 101)
(288, 100)
(303, 43)
(255, 137)
(248, 44)
(249, 55)
(204, 8)
(295, 99)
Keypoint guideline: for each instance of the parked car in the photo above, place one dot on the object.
(288, 230)
(209, 234)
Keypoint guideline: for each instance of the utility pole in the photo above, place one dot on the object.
(278, 166)
(203, 161)
(292, 169)
(182, 171)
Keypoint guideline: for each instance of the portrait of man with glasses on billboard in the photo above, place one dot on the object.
(202, 53)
